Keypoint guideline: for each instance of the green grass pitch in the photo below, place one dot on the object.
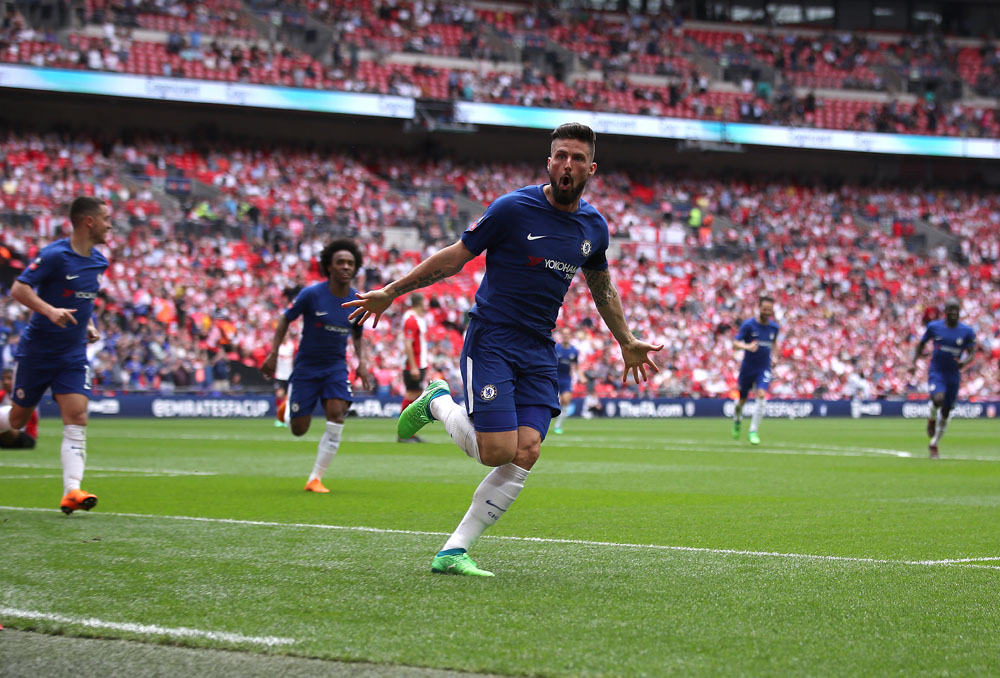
(637, 548)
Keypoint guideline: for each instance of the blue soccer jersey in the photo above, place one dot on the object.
(64, 279)
(949, 344)
(566, 359)
(765, 336)
(325, 327)
(533, 251)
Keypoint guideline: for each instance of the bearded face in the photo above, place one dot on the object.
(570, 168)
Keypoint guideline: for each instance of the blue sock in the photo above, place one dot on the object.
(451, 552)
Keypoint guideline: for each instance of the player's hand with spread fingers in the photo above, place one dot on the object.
(369, 304)
(636, 356)
(61, 317)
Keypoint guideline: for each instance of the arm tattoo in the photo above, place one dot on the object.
(600, 287)
(422, 281)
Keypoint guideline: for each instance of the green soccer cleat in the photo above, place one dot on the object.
(459, 563)
(418, 413)
(736, 429)
(754, 438)
(557, 430)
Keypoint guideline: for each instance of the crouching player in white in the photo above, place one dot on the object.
(758, 338)
(60, 286)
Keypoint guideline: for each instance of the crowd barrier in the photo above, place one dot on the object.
(262, 405)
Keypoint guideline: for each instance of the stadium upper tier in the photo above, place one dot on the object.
(655, 66)
(194, 279)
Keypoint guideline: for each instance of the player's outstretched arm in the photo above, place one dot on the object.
(361, 352)
(634, 352)
(61, 317)
(438, 266)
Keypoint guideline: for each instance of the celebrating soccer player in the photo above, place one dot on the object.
(954, 349)
(319, 372)
(60, 286)
(758, 339)
(535, 239)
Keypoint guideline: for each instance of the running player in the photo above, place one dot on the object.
(954, 349)
(758, 339)
(319, 373)
(60, 286)
(536, 239)
(567, 358)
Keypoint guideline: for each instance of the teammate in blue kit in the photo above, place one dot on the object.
(567, 358)
(319, 372)
(60, 286)
(954, 349)
(758, 339)
(535, 240)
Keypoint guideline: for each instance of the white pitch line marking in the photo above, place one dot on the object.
(147, 471)
(549, 540)
(146, 629)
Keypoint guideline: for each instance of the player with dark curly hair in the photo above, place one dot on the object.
(319, 373)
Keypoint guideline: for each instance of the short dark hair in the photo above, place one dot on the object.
(84, 206)
(765, 297)
(953, 302)
(577, 130)
(326, 256)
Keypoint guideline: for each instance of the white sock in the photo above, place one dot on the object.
(457, 424)
(74, 456)
(491, 500)
(559, 419)
(942, 425)
(758, 414)
(4, 419)
(738, 411)
(934, 410)
(327, 449)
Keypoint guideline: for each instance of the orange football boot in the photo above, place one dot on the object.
(77, 499)
(315, 485)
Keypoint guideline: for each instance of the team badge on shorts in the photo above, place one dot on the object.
(20, 394)
(585, 248)
(295, 407)
(489, 392)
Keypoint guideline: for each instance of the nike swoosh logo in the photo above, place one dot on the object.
(495, 506)
(323, 313)
(536, 237)
(72, 277)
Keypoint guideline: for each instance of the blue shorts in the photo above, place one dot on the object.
(756, 380)
(509, 378)
(938, 382)
(32, 376)
(565, 384)
(306, 388)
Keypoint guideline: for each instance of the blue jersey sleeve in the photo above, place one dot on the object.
(928, 333)
(299, 306)
(490, 228)
(40, 269)
(744, 332)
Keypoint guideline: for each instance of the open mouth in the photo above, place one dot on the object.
(565, 182)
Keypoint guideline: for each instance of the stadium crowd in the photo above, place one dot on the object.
(194, 285)
(215, 41)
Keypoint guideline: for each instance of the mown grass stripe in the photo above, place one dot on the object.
(964, 562)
